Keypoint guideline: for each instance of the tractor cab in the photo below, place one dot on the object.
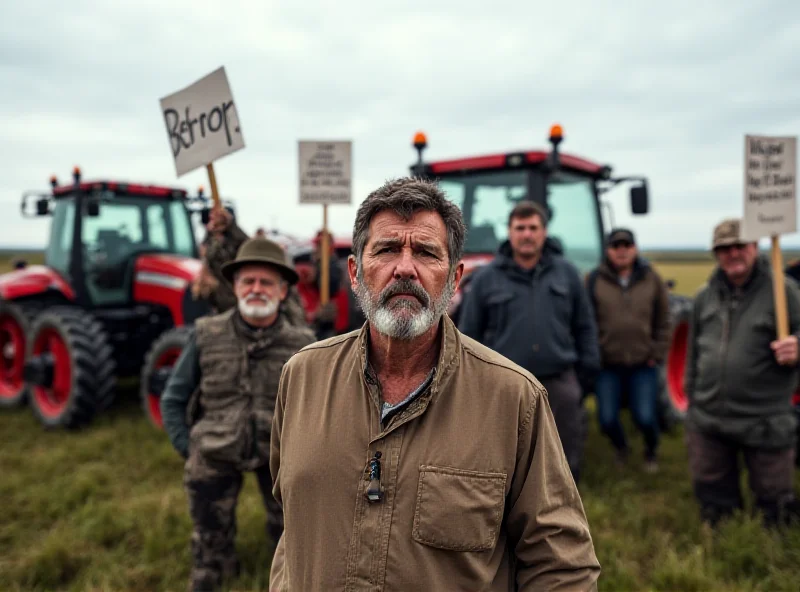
(571, 189)
(100, 228)
(486, 189)
(111, 301)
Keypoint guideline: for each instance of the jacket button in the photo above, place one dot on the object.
(536, 347)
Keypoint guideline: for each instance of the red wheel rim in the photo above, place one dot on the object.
(52, 401)
(167, 359)
(12, 356)
(676, 366)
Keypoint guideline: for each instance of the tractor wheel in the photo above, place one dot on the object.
(70, 368)
(14, 329)
(674, 395)
(157, 369)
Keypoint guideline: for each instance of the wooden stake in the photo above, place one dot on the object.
(779, 288)
(212, 180)
(324, 284)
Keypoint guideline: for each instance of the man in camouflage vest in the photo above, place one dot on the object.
(222, 242)
(219, 402)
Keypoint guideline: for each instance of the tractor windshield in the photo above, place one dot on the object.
(486, 200)
(124, 227)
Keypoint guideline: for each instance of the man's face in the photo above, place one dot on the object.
(737, 261)
(527, 236)
(404, 284)
(259, 290)
(621, 253)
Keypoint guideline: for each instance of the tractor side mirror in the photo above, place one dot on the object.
(639, 199)
(42, 207)
(93, 208)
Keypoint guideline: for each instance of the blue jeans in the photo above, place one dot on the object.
(641, 384)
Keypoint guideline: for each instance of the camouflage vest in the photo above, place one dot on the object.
(240, 369)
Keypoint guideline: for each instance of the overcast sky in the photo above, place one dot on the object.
(662, 89)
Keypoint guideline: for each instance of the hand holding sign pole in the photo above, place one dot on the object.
(770, 205)
(203, 126)
(325, 169)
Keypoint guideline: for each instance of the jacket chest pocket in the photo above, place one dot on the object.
(458, 510)
(221, 374)
(558, 294)
(498, 305)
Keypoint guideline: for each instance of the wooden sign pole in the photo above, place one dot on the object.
(324, 284)
(212, 180)
(779, 289)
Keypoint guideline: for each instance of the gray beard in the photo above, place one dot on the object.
(404, 319)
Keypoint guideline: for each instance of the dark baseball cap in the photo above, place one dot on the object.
(619, 235)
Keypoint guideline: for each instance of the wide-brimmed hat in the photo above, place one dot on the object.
(260, 251)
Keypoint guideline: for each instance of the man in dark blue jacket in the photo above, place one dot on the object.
(530, 305)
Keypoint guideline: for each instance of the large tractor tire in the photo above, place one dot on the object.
(14, 331)
(157, 369)
(674, 400)
(70, 368)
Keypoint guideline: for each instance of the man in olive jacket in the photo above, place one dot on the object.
(219, 402)
(408, 456)
(739, 382)
(631, 306)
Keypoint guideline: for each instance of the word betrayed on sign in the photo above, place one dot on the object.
(325, 172)
(769, 186)
(202, 122)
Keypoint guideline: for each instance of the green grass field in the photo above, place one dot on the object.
(104, 509)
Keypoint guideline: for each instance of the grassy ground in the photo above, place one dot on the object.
(104, 509)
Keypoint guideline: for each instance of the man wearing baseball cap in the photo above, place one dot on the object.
(631, 307)
(739, 382)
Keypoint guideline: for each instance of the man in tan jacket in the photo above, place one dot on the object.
(408, 456)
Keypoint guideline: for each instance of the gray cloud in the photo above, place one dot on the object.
(664, 90)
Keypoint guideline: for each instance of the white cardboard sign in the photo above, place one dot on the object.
(202, 122)
(770, 188)
(325, 172)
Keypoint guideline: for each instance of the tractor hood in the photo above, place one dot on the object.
(169, 271)
(32, 281)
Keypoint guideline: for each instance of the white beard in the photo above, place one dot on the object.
(405, 319)
(258, 311)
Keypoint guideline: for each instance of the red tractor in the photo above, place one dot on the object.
(487, 187)
(116, 279)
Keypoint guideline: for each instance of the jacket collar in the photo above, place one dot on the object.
(552, 248)
(449, 353)
(762, 270)
(640, 269)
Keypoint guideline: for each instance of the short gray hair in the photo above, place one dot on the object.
(405, 197)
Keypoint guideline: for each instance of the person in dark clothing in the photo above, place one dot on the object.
(739, 381)
(631, 306)
(325, 315)
(530, 305)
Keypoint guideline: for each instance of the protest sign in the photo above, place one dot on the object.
(770, 205)
(325, 170)
(769, 187)
(202, 125)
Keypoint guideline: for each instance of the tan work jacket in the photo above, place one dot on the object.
(477, 494)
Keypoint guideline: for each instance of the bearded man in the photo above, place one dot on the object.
(219, 402)
(407, 456)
